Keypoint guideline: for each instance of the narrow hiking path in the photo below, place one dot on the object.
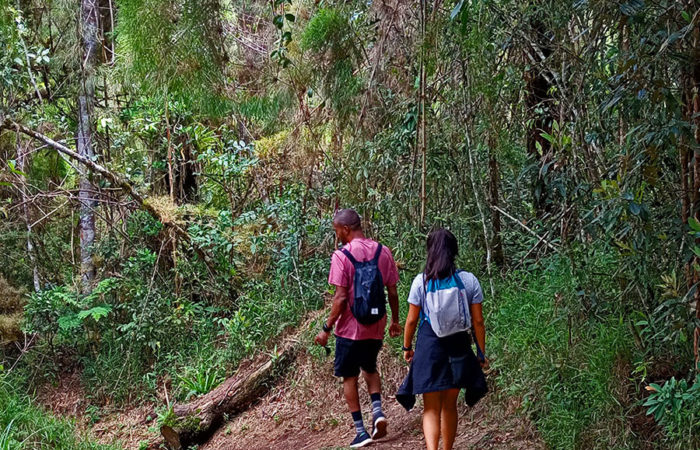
(304, 409)
(307, 411)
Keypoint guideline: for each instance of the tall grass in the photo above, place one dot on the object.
(23, 425)
(567, 368)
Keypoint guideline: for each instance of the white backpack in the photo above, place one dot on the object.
(446, 305)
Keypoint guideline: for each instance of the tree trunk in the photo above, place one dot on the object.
(421, 136)
(624, 46)
(171, 174)
(86, 103)
(198, 420)
(695, 96)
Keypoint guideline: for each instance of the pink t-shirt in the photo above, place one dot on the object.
(342, 274)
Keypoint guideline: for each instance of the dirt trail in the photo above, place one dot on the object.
(307, 411)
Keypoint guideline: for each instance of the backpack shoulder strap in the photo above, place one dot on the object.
(458, 280)
(375, 260)
(347, 253)
(479, 353)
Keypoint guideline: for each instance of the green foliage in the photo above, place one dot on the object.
(174, 47)
(63, 313)
(12, 58)
(48, 167)
(329, 36)
(199, 383)
(280, 54)
(676, 406)
(344, 87)
(328, 30)
(166, 417)
(264, 111)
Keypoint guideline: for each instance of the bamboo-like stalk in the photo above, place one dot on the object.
(422, 143)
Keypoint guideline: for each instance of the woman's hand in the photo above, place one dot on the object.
(484, 364)
(410, 330)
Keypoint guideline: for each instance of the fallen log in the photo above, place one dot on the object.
(196, 421)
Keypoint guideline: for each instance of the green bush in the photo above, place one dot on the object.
(327, 30)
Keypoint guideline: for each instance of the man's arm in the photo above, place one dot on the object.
(395, 327)
(339, 300)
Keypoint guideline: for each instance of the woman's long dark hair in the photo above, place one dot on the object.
(442, 251)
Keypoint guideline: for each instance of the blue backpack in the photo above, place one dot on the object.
(369, 304)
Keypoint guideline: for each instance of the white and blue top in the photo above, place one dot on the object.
(445, 303)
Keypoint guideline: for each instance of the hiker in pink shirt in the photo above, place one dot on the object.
(360, 317)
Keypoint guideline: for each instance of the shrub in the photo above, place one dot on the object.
(328, 29)
(676, 407)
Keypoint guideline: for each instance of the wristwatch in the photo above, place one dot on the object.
(326, 328)
(407, 349)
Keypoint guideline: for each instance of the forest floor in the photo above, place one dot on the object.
(306, 411)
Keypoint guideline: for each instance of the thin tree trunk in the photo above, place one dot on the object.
(472, 177)
(686, 178)
(171, 176)
(422, 143)
(487, 241)
(22, 163)
(622, 131)
(86, 102)
(694, 118)
(696, 182)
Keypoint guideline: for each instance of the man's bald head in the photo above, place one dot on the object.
(348, 218)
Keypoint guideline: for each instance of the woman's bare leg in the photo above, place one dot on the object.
(432, 405)
(448, 417)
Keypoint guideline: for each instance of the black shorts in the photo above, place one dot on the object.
(351, 356)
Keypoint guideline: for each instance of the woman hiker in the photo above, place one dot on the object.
(448, 303)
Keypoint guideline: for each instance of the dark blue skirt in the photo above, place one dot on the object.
(440, 364)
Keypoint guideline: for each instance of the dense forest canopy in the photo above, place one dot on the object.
(169, 170)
